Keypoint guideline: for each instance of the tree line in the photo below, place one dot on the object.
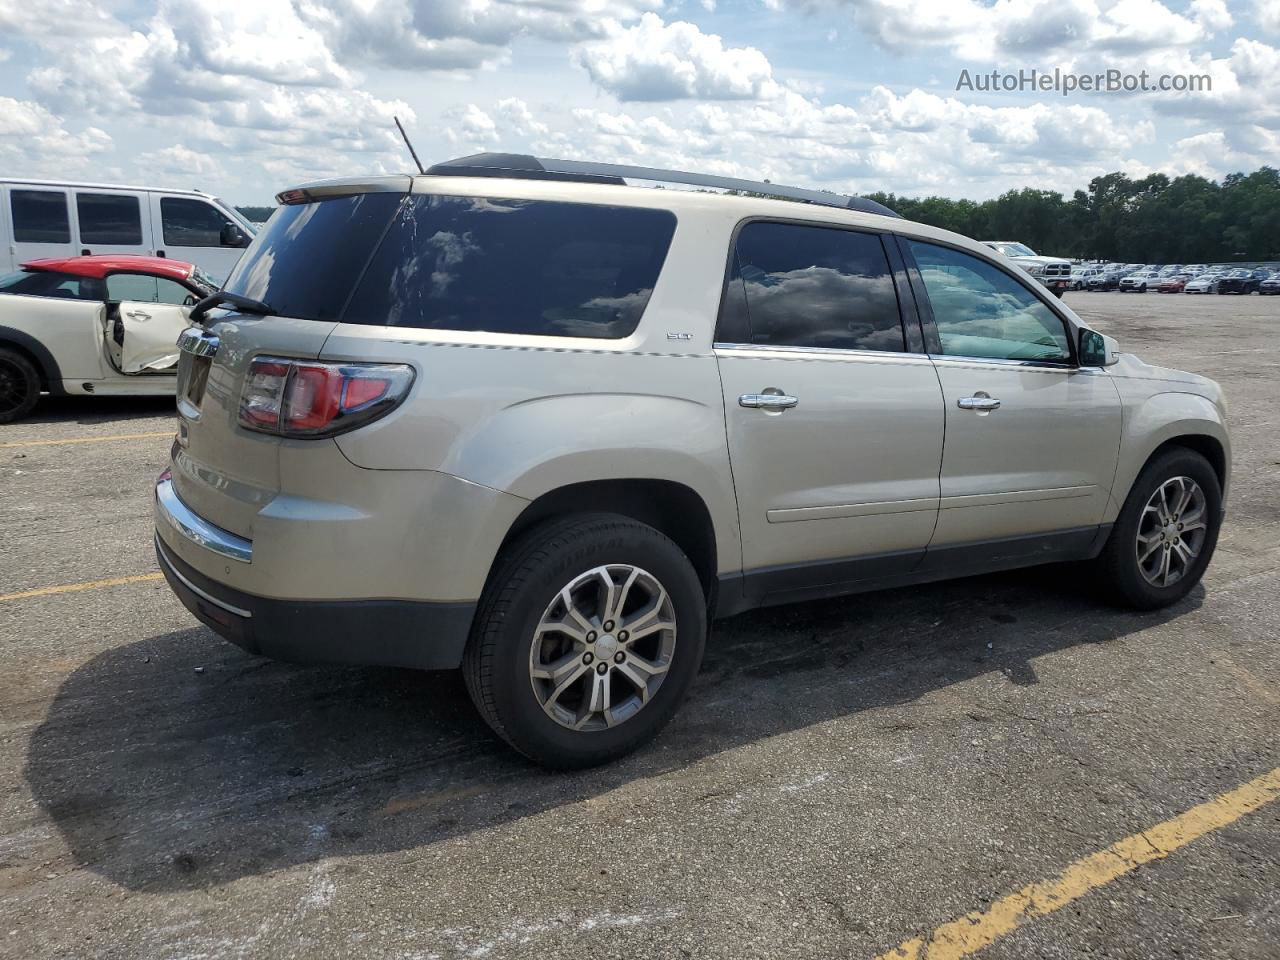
(1155, 219)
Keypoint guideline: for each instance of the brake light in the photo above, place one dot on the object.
(313, 398)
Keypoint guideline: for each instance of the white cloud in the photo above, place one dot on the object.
(457, 34)
(34, 142)
(654, 60)
(1267, 15)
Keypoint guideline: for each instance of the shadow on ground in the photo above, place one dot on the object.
(89, 410)
(160, 777)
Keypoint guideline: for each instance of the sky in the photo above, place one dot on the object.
(244, 98)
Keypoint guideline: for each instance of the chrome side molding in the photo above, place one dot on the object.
(186, 523)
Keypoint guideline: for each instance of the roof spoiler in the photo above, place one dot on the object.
(522, 166)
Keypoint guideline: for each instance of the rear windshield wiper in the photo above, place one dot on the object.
(243, 304)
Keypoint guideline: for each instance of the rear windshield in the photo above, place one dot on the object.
(306, 259)
(514, 266)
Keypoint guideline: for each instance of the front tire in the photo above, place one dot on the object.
(587, 639)
(19, 385)
(1166, 532)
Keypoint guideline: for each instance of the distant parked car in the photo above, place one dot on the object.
(1174, 284)
(1205, 283)
(1107, 280)
(99, 325)
(1053, 272)
(1240, 281)
(1271, 286)
(1139, 282)
(1079, 279)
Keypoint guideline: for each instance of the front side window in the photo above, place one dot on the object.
(515, 266)
(981, 311)
(190, 223)
(170, 291)
(137, 287)
(804, 286)
(110, 218)
(50, 283)
(39, 216)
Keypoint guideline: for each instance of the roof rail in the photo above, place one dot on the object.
(521, 166)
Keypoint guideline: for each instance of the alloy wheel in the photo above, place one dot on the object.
(1171, 531)
(13, 386)
(602, 647)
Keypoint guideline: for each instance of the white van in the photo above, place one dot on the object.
(52, 218)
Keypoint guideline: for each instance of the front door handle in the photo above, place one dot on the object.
(138, 315)
(768, 401)
(980, 402)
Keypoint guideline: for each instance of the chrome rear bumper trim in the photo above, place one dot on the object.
(204, 595)
(185, 522)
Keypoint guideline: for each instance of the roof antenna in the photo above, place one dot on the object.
(412, 152)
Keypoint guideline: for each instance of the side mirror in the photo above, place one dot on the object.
(232, 236)
(1097, 350)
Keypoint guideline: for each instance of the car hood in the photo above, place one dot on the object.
(1130, 365)
(1039, 261)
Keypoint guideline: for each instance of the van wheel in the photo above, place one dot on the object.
(1166, 532)
(587, 638)
(19, 386)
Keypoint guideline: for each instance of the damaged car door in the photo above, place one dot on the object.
(144, 317)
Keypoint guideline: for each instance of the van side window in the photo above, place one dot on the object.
(981, 311)
(39, 216)
(110, 218)
(190, 223)
(812, 286)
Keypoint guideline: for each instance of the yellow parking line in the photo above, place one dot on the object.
(76, 587)
(54, 443)
(969, 934)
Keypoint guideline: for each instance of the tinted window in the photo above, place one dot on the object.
(109, 218)
(515, 266)
(132, 286)
(306, 259)
(190, 223)
(47, 283)
(39, 216)
(812, 287)
(981, 311)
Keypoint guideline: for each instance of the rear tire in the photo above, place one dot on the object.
(19, 385)
(1157, 551)
(572, 699)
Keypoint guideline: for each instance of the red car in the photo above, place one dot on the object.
(1173, 284)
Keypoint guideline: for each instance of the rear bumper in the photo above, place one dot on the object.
(394, 633)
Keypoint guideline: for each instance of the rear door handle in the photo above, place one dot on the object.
(767, 401)
(980, 402)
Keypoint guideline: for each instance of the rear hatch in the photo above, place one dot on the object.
(302, 265)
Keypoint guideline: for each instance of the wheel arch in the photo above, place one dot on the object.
(676, 510)
(1205, 434)
(37, 353)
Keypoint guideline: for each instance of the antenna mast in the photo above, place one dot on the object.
(412, 152)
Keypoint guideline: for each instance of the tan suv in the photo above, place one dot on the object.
(518, 416)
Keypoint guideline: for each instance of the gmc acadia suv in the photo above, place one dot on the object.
(518, 416)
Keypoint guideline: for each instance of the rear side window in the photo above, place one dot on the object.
(190, 223)
(801, 286)
(49, 283)
(306, 259)
(515, 266)
(109, 218)
(39, 216)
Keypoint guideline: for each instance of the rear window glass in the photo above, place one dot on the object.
(49, 283)
(306, 259)
(39, 216)
(515, 266)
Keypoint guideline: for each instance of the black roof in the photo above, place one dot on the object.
(523, 166)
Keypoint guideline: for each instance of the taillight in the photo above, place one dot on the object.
(314, 398)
